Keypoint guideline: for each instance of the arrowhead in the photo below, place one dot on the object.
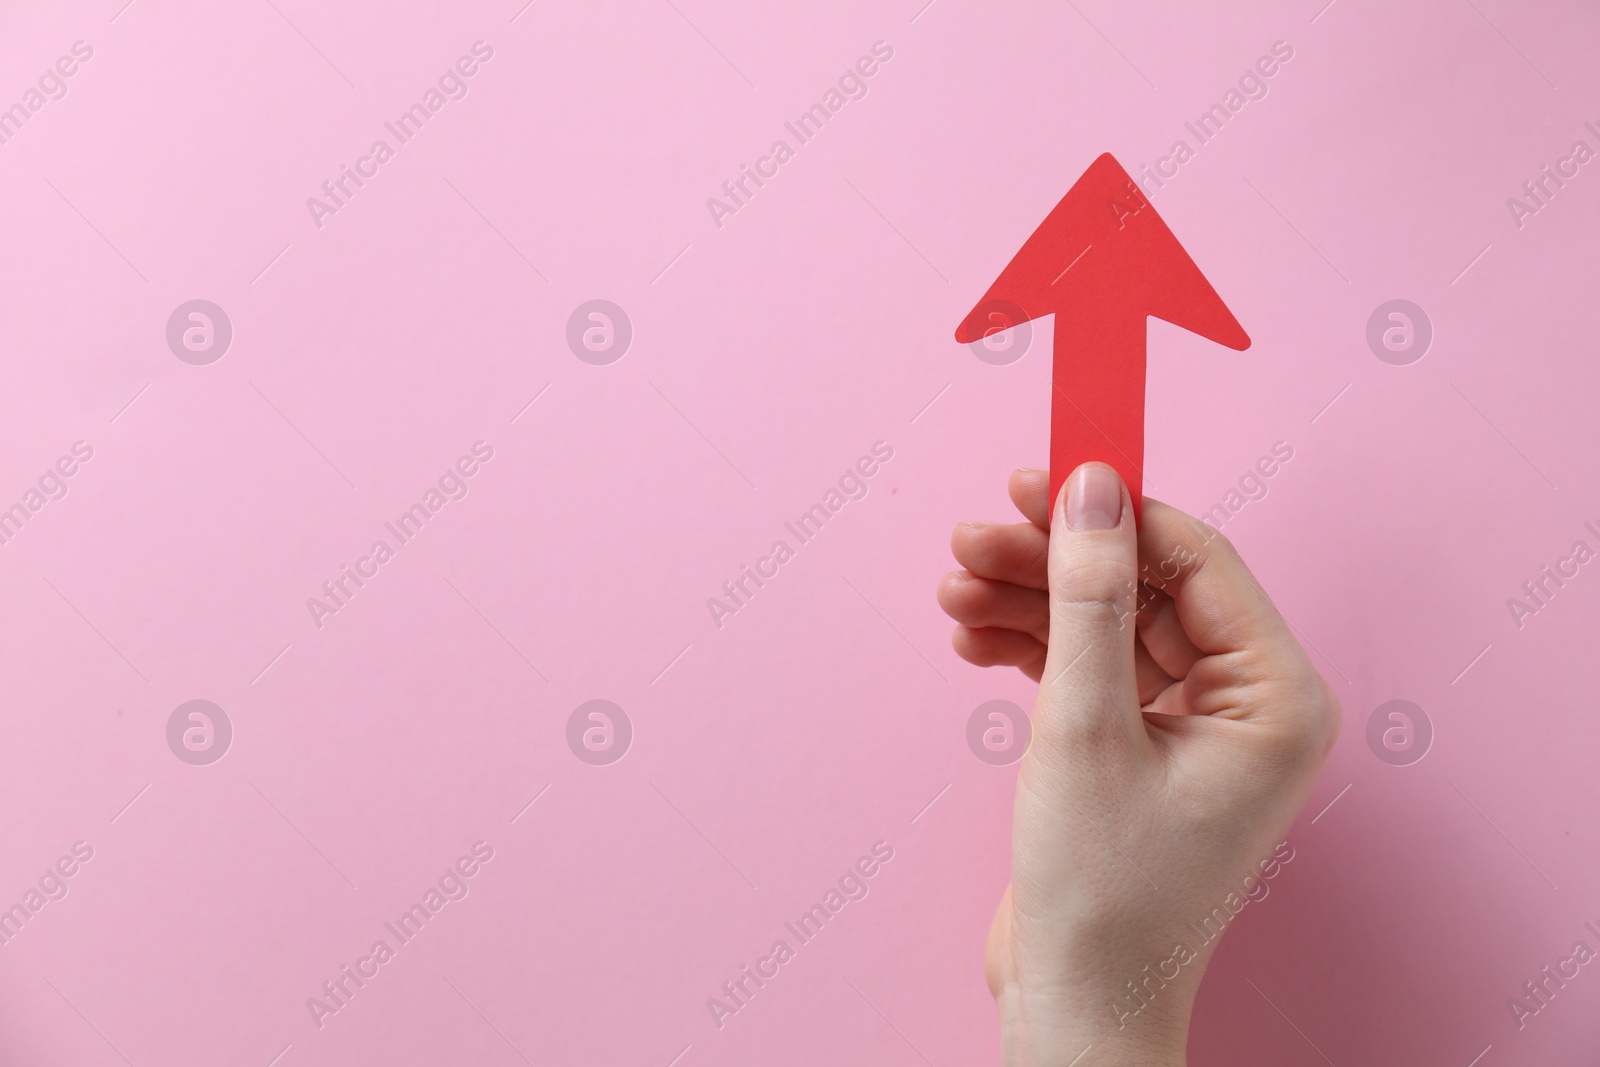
(1104, 252)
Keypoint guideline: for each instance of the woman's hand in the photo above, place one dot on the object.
(1178, 730)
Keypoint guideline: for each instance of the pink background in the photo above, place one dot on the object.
(767, 356)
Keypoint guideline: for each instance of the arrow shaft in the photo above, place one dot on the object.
(1097, 399)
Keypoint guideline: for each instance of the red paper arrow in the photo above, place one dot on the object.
(1102, 262)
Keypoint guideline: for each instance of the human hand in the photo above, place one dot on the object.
(1178, 730)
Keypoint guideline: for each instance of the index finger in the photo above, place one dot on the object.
(1219, 602)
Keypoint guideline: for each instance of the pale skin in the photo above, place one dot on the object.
(1178, 730)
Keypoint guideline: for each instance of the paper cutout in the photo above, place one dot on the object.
(1102, 262)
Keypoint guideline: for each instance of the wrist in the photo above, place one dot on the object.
(1053, 1030)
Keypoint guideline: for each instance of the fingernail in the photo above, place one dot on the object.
(1030, 470)
(1094, 498)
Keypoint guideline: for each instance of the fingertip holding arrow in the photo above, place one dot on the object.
(1102, 262)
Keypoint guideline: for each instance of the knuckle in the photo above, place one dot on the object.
(1182, 561)
(1203, 535)
(1092, 584)
(1068, 736)
(1310, 727)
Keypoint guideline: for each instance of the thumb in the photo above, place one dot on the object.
(1088, 693)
